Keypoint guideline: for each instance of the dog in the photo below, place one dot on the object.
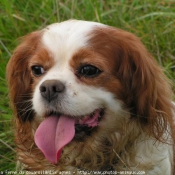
(89, 97)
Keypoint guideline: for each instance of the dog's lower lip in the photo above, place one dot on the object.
(92, 119)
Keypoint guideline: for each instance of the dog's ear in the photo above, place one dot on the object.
(19, 76)
(145, 89)
(147, 93)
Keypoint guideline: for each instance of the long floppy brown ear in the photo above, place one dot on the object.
(19, 77)
(145, 92)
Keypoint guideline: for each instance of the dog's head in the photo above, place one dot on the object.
(80, 78)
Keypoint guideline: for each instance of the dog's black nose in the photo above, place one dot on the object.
(51, 88)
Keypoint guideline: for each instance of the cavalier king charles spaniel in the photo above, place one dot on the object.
(88, 97)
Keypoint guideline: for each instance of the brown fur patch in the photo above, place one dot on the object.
(19, 76)
(106, 78)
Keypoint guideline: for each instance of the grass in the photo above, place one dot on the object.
(152, 20)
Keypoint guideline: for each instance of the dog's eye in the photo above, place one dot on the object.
(37, 70)
(89, 71)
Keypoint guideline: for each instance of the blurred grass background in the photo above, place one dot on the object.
(152, 20)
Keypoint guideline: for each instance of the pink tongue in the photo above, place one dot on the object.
(53, 134)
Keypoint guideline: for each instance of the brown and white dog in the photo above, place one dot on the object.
(87, 96)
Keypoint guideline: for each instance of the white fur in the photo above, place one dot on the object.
(64, 39)
(155, 155)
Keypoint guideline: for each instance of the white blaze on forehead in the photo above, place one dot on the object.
(64, 39)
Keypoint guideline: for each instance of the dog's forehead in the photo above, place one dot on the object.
(64, 39)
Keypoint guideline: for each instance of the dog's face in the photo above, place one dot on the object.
(72, 78)
(80, 78)
(71, 84)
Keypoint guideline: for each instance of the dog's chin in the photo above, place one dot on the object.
(85, 125)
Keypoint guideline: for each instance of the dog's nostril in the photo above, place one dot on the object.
(42, 89)
(50, 89)
(54, 89)
(58, 87)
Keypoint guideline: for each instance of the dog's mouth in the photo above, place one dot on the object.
(57, 130)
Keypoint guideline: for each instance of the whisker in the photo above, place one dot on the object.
(26, 109)
(22, 102)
